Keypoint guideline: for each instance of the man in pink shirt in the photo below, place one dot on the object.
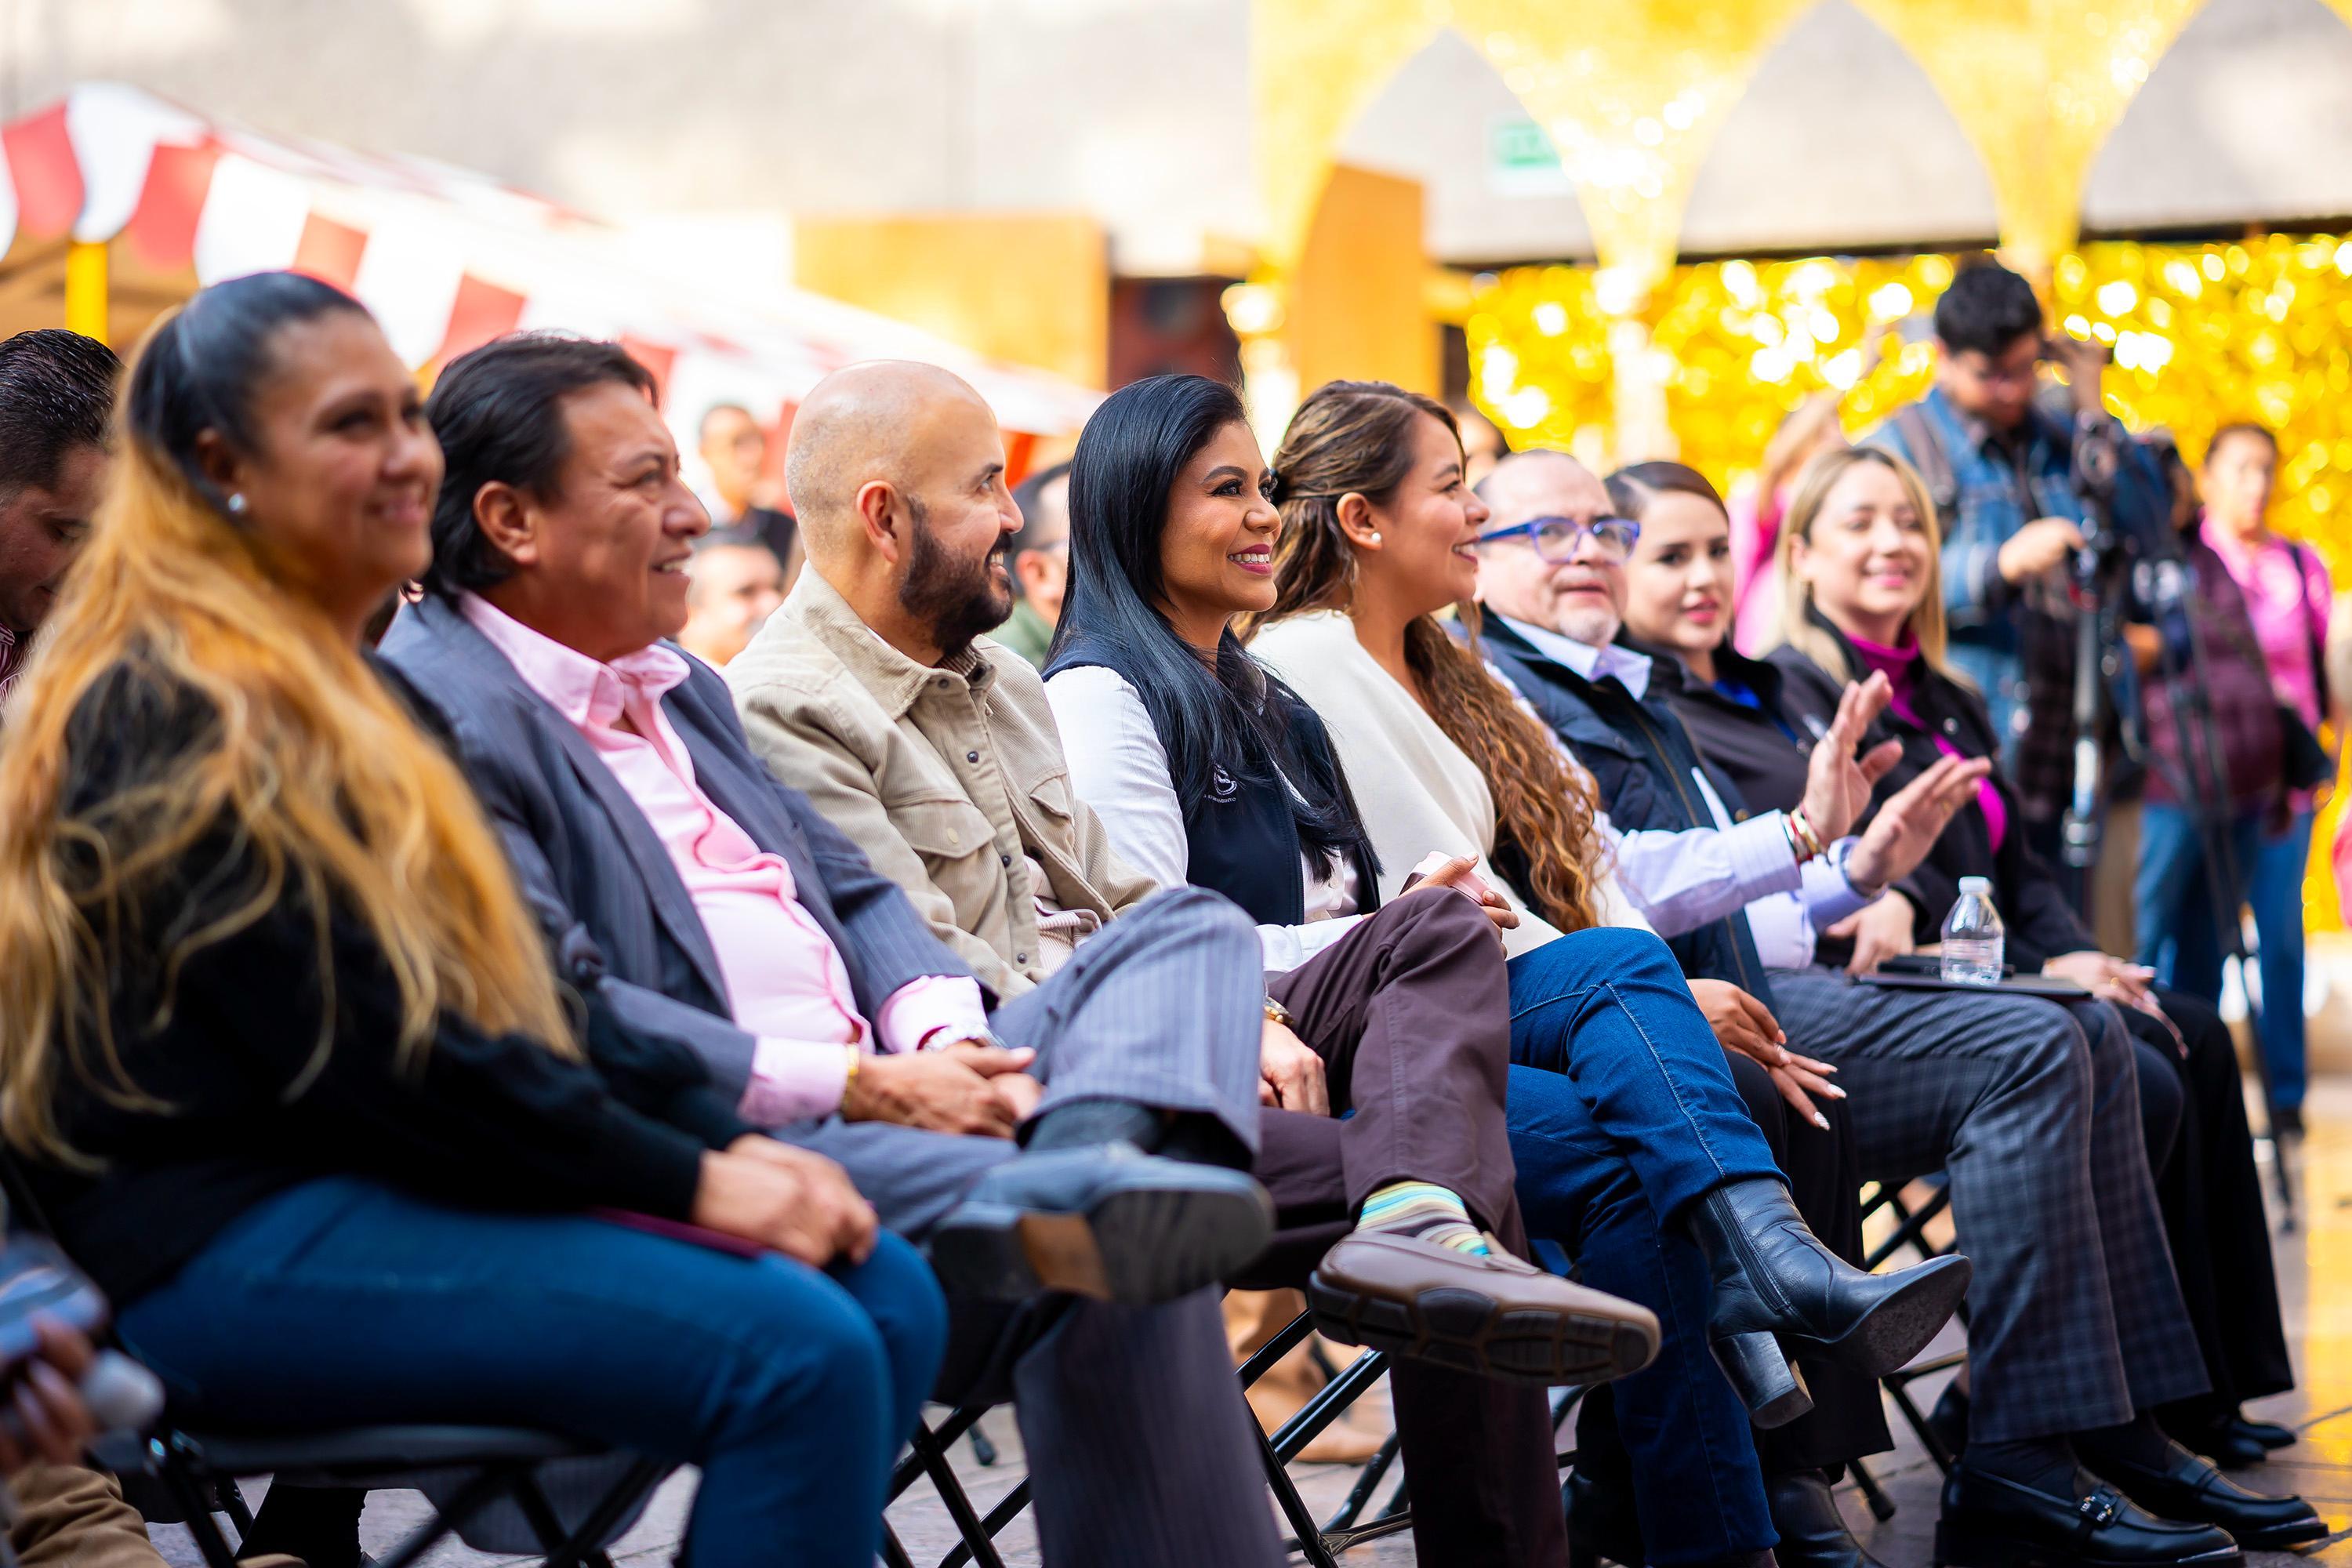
(705, 903)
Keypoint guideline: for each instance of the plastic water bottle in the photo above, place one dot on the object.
(1972, 936)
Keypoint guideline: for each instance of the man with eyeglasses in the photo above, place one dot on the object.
(2000, 463)
(2078, 1328)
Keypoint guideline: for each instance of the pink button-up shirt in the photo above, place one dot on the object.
(785, 980)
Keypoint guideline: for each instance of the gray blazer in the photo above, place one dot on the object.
(618, 918)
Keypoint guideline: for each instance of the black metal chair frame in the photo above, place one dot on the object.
(1910, 1232)
(929, 1450)
(180, 1477)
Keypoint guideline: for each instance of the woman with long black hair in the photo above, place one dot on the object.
(284, 1045)
(1204, 768)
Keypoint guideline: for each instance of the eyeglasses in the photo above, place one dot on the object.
(1556, 539)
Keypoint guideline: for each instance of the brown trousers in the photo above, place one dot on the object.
(1411, 1015)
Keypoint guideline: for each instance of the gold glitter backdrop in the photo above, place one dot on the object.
(2203, 334)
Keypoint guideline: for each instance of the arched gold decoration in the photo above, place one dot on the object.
(2037, 85)
(1316, 64)
(1632, 94)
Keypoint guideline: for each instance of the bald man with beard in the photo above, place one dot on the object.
(876, 690)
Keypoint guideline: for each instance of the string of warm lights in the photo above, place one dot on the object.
(2202, 335)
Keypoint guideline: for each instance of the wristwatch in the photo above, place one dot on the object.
(1276, 1012)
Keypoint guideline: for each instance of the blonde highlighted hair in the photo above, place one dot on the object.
(1356, 437)
(332, 793)
(1797, 629)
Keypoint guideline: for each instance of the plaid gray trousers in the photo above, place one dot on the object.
(2032, 1107)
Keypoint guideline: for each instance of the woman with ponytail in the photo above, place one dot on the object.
(284, 1048)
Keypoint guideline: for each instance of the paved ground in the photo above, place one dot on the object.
(2316, 1283)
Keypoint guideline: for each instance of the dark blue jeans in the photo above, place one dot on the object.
(1622, 1112)
(347, 1302)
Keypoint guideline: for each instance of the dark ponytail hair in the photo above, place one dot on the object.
(200, 369)
(1634, 486)
(1231, 717)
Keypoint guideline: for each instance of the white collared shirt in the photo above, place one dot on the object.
(1682, 879)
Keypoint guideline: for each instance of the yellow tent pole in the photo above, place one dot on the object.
(85, 289)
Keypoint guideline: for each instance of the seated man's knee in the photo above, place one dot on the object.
(1440, 919)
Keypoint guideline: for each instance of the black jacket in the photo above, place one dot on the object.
(1642, 761)
(249, 1108)
(2038, 922)
(1762, 751)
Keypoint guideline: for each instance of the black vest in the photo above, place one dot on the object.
(1240, 836)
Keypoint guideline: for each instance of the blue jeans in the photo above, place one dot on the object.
(1622, 1112)
(347, 1302)
(2275, 891)
(2172, 905)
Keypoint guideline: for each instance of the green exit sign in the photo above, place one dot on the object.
(1521, 158)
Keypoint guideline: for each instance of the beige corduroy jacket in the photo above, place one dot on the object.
(950, 778)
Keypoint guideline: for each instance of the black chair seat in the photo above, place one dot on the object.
(338, 1455)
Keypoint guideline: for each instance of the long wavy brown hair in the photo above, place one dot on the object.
(1355, 438)
(338, 798)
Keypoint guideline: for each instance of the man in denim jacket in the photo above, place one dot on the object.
(2000, 466)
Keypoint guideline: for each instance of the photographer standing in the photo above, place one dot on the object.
(2001, 469)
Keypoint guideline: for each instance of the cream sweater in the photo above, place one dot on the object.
(1417, 790)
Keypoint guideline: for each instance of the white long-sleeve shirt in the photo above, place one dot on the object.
(1682, 879)
(1118, 767)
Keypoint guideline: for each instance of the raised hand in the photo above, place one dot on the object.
(1913, 818)
(1837, 781)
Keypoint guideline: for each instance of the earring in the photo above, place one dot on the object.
(237, 504)
(1373, 538)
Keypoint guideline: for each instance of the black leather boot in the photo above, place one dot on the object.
(1773, 1279)
(1813, 1533)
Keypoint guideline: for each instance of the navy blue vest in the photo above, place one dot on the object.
(1241, 838)
(1642, 759)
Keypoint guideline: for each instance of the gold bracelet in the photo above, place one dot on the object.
(849, 1078)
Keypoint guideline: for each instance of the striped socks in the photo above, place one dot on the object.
(1426, 1210)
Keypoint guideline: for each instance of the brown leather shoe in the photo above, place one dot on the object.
(1495, 1315)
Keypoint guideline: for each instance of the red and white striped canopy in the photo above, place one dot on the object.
(446, 259)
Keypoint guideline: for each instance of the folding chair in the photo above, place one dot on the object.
(1910, 1233)
(928, 1456)
(181, 1477)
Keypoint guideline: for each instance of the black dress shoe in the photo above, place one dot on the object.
(1601, 1521)
(1773, 1279)
(1813, 1533)
(2269, 1434)
(2220, 1441)
(1991, 1521)
(1106, 1221)
(2188, 1488)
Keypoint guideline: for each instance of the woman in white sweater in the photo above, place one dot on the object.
(1634, 1146)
